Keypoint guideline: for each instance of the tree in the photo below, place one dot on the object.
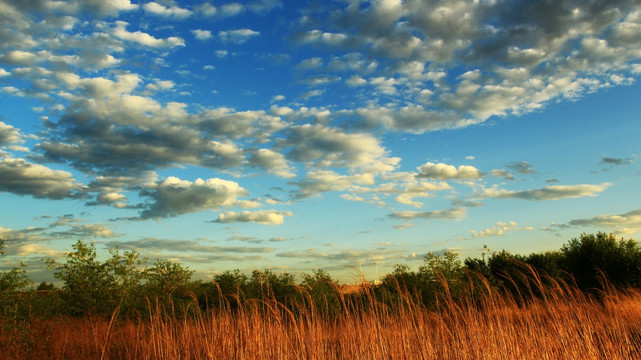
(589, 256)
(88, 285)
(14, 279)
(166, 276)
(323, 291)
(127, 273)
(442, 273)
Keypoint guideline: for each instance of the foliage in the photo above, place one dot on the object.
(89, 287)
(165, 277)
(14, 279)
(323, 292)
(591, 256)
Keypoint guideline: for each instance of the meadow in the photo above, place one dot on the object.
(564, 324)
(500, 307)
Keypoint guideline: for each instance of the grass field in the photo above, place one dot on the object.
(562, 324)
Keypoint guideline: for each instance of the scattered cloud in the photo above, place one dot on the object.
(142, 38)
(616, 161)
(264, 217)
(202, 34)
(20, 177)
(456, 214)
(444, 171)
(156, 244)
(499, 229)
(174, 12)
(626, 223)
(238, 36)
(521, 167)
(9, 134)
(552, 192)
(174, 196)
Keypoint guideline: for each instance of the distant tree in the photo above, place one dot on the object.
(266, 284)
(45, 286)
(442, 274)
(590, 255)
(127, 272)
(88, 286)
(323, 291)
(165, 277)
(14, 279)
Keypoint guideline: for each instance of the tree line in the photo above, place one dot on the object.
(122, 283)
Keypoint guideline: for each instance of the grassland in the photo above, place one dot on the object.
(559, 323)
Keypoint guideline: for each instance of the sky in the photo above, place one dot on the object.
(302, 135)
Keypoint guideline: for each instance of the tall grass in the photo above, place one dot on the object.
(559, 323)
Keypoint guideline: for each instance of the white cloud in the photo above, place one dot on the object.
(323, 146)
(444, 171)
(145, 39)
(355, 81)
(170, 12)
(310, 64)
(553, 192)
(23, 178)
(272, 162)
(626, 223)
(174, 196)
(264, 217)
(202, 34)
(320, 181)
(455, 214)
(499, 229)
(9, 134)
(238, 36)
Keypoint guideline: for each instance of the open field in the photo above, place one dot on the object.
(563, 324)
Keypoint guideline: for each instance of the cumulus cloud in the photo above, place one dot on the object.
(164, 11)
(499, 229)
(202, 34)
(553, 192)
(323, 146)
(271, 162)
(142, 38)
(320, 181)
(264, 217)
(469, 60)
(237, 36)
(626, 223)
(174, 196)
(20, 177)
(85, 230)
(444, 171)
(9, 134)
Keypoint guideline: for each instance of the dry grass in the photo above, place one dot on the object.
(566, 324)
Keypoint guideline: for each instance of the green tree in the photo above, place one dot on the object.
(323, 291)
(442, 274)
(89, 287)
(127, 272)
(165, 277)
(589, 256)
(14, 279)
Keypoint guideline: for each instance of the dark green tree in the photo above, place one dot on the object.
(89, 287)
(590, 256)
(165, 277)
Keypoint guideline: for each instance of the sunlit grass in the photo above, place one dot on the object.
(563, 323)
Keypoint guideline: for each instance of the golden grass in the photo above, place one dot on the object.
(566, 324)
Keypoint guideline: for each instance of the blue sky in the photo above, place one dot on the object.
(297, 135)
